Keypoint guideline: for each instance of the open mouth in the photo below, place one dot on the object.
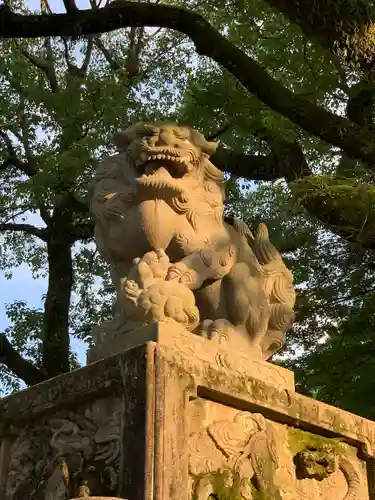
(172, 162)
(163, 170)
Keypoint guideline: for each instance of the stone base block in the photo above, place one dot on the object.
(165, 421)
(188, 345)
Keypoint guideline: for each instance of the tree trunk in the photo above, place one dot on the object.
(60, 282)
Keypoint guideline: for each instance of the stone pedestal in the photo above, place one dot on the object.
(176, 417)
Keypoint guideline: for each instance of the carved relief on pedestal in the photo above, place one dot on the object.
(330, 462)
(231, 456)
(245, 456)
(70, 454)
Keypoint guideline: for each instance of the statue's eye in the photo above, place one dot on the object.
(182, 134)
(147, 131)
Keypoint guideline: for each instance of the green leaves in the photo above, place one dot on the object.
(58, 116)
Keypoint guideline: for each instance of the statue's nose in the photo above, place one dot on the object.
(165, 139)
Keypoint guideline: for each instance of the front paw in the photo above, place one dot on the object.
(158, 262)
(130, 289)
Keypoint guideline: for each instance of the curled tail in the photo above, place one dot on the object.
(278, 284)
(353, 478)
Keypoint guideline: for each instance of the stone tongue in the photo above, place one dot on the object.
(161, 172)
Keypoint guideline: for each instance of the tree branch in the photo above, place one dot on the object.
(24, 137)
(5, 164)
(345, 28)
(26, 167)
(257, 167)
(29, 169)
(60, 281)
(26, 228)
(360, 110)
(45, 66)
(70, 6)
(219, 132)
(133, 52)
(88, 54)
(338, 131)
(44, 214)
(107, 54)
(79, 206)
(84, 231)
(21, 367)
(324, 198)
(342, 205)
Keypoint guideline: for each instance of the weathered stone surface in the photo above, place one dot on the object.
(258, 456)
(243, 455)
(158, 208)
(244, 391)
(56, 455)
(239, 438)
(188, 346)
(55, 447)
(172, 426)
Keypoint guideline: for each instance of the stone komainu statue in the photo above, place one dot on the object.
(158, 207)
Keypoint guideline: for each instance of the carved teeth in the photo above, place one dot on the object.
(179, 164)
(156, 183)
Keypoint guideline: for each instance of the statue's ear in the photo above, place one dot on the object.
(121, 140)
(210, 147)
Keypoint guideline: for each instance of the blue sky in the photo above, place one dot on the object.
(23, 287)
(56, 5)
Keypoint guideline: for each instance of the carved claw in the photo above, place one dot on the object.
(130, 289)
(151, 267)
(221, 331)
(157, 263)
(203, 328)
(174, 273)
(180, 272)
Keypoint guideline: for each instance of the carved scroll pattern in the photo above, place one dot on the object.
(59, 457)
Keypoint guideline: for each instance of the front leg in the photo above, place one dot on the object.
(190, 271)
(213, 262)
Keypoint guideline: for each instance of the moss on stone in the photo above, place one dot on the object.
(221, 488)
(260, 495)
(226, 485)
(299, 440)
(241, 384)
(175, 365)
(336, 423)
